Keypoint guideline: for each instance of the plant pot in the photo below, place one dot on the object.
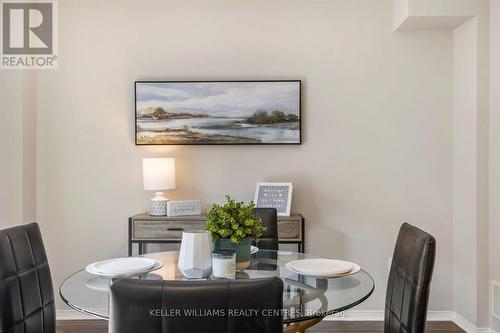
(242, 250)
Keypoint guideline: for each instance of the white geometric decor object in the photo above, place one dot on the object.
(195, 257)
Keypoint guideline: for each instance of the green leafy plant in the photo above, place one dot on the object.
(234, 220)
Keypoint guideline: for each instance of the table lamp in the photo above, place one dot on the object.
(158, 175)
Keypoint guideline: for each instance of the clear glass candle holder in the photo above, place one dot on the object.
(224, 264)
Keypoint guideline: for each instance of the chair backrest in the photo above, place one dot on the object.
(409, 281)
(26, 294)
(220, 306)
(269, 239)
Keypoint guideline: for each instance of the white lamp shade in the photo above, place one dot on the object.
(158, 173)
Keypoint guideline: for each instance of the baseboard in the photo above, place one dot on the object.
(467, 326)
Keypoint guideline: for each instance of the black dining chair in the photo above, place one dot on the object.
(266, 260)
(409, 281)
(269, 239)
(26, 294)
(219, 306)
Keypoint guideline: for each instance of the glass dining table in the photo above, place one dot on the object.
(306, 299)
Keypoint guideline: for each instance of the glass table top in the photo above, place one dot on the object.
(304, 297)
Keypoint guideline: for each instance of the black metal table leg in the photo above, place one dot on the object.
(130, 237)
(303, 245)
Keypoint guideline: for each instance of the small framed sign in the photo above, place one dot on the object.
(274, 195)
(181, 208)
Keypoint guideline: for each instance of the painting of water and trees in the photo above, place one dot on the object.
(222, 112)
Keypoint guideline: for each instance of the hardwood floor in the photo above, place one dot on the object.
(82, 326)
(101, 326)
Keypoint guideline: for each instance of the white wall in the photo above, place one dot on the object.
(465, 190)
(377, 124)
(29, 146)
(11, 114)
(494, 147)
(17, 148)
(471, 167)
(469, 20)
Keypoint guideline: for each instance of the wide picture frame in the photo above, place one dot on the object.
(266, 112)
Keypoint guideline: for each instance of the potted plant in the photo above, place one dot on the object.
(233, 226)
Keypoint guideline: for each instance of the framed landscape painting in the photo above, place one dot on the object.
(217, 112)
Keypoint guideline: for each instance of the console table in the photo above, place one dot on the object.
(143, 229)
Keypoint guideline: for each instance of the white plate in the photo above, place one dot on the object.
(254, 249)
(93, 270)
(320, 267)
(355, 269)
(124, 265)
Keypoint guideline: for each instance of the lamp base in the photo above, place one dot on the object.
(158, 205)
